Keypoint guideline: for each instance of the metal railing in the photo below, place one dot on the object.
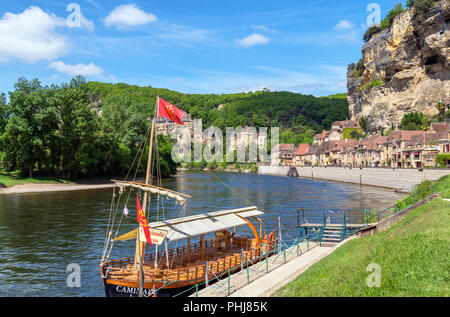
(348, 219)
(248, 270)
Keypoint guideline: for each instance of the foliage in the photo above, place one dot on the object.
(352, 133)
(415, 121)
(423, 6)
(387, 21)
(53, 131)
(419, 192)
(357, 69)
(374, 83)
(363, 123)
(374, 29)
(441, 159)
(257, 109)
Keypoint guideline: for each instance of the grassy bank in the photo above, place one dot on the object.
(12, 179)
(413, 256)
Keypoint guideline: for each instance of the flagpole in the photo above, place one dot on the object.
(140, 246)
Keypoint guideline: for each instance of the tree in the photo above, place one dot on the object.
(387, 21)
(30, 126)
(374, 29)
(415, 121)
(422, 6)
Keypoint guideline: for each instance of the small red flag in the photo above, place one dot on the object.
(169, 111)
(143, 221)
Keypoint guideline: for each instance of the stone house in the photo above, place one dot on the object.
(300, 154)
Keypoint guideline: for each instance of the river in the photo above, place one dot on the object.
(42, 234)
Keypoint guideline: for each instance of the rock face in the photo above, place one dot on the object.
(407, 69)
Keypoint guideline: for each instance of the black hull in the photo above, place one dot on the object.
(125, 291)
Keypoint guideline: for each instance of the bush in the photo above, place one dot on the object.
(387, 21)
(374, 83)
(370, 32)
(422, 6)
(415, 121)
(441, 159)
(358, 69)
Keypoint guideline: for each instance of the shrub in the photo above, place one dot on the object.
(441, 159)
(358, 69)
(422, 6)
(387, 21)
(374, 83)
(374, 29)
(415, 121)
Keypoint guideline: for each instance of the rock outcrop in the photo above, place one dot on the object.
(407, 69)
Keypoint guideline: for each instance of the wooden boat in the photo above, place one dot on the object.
(171, 272)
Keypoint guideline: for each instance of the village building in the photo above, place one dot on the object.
(300, 154)
(311, 157)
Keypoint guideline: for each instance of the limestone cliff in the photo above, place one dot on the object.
(407, 68)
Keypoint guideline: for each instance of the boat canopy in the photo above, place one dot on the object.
(178, 197)
(191, 226)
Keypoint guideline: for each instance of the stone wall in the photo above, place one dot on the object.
(399, 179)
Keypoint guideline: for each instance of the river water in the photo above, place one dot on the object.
(43, 234)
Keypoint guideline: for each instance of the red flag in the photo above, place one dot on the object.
(169, 111)
(143, 221)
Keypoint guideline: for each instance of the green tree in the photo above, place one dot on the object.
(387, 21)
(415, 121)
(30, 126)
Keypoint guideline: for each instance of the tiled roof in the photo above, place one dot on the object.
(313, 149)
(440, 127)
(286, 147)
(302, 149)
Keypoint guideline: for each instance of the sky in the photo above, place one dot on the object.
(191, 46)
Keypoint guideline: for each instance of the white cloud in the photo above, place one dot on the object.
(128, 15)
(74, 70)
(343, 25)
(263, 28)
(31, 36)
(253, 39)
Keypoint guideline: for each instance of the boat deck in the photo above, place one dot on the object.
(185, 266)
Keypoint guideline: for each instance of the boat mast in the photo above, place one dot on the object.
(140, 246)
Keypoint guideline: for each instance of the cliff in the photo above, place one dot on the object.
(406, 69)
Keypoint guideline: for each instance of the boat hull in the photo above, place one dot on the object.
(113, 290)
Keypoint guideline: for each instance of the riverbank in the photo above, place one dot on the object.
(399, 179)
(412, 258)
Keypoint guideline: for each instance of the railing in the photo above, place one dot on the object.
(406, 203)
(347, 219)
(251, 268)
(118, 268)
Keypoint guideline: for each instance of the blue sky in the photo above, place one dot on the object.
(191, 46)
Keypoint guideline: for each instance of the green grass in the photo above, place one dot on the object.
(12, 179)
(413, 256)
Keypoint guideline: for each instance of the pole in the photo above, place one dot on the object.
(206, 273)
(279, 234)
(140, 246)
